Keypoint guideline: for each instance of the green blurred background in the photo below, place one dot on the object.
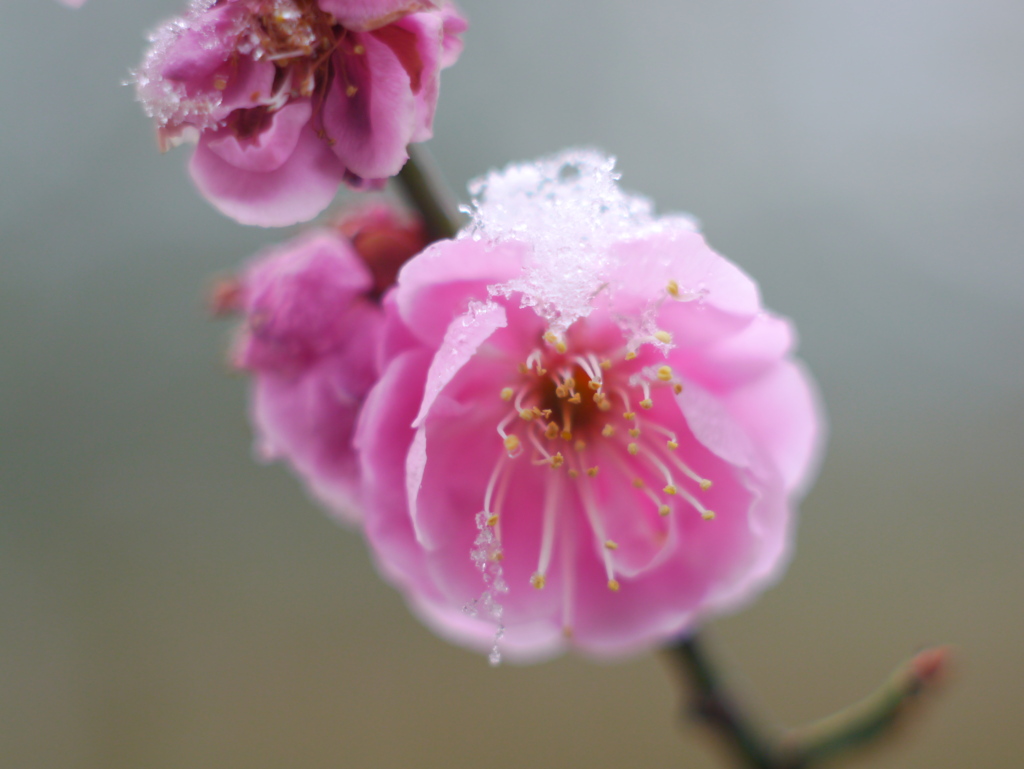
(167, 602)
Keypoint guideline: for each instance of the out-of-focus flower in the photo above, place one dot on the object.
(289, 98)
(587, 431)
(310, 341)
(72, 3)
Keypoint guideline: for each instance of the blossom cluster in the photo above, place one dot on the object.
(573, 425)
(288, 99)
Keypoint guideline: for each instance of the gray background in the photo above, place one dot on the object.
(166, 602)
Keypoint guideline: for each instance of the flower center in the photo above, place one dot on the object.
(580, 415)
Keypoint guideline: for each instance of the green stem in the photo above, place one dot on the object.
(426, 191)
(854, 727)
(875, 716)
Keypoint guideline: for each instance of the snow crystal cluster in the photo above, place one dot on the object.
(570, 209)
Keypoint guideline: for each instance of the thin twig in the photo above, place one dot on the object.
(873, 717)
(426, 191)
(854, 727)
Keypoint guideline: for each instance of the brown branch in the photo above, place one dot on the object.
(425, 189)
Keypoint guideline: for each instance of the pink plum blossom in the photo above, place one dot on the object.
(72, 3)
(287, 99)
(310, 341)
(587, 431)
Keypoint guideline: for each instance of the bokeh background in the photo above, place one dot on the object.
(167, 602)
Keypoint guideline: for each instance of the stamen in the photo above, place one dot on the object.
(704, 483)
(611, 544)
(547, 539)
(608, 431)
(706, 514)
(594, 517)
(663, 336)
(663, 509)
(664, 373)
(673, 289)
(507, 393)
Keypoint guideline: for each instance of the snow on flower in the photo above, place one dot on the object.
(310, 339)
(287, 99)
(587, 431)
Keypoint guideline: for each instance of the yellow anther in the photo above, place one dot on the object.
(549, 337)
(492, 520)
(634, 432)
(573, 474)
(560, 346)
(664, 510)
(498, 556)
(646, 403)
(672, 444)
(220, 83)
(551, 431)
(664, 373)
(608, 431)
(527, 414)
(611, 544)
(630, 355)
(673, 289)
(629, 416)
(707, 515)
(523, 368)
(580, 445)
(677, 388)
(638, 482)
(538, 580)
(663, 336)
(606, 364)
(358, 50)
(541, 371)
(576, 399)
(557, 461)
(561, 391)
(633, 449)
(604, 404)
(705, 484)
(507, 393)
(512, 443)
(566, 435)
(351, 91)
(570, 382)
(546, 413)
(670, 490)
(594, 384)
(592, 471)
(613, 585)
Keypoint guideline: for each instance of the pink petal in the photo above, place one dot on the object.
(269, 149)
(371, 129)
(781, 411)
(364, 15)
(296, 191)
(439, 284)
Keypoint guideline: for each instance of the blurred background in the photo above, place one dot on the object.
(167, 602)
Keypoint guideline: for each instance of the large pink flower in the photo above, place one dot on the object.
(289, 98)
(587, 431)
